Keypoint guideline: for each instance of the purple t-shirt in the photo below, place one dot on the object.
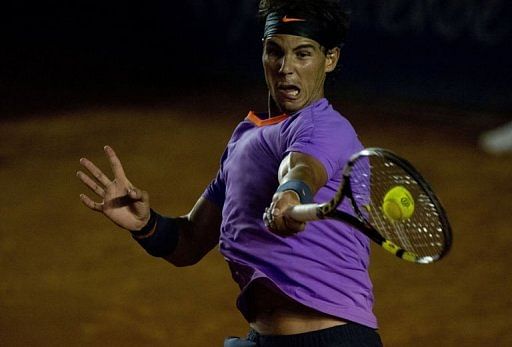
(325, 267)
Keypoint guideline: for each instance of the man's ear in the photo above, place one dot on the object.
(331, 59)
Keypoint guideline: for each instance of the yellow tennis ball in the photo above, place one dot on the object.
(398, 203)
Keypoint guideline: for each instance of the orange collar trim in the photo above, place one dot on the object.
(253, 118)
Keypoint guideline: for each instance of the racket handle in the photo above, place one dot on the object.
(303, 213)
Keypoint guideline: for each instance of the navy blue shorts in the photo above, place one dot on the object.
(348, 335)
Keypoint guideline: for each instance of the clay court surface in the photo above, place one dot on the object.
(70, 278)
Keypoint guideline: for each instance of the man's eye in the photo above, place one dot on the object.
(303, 54)
(272, 52)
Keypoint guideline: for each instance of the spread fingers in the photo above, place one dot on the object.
(95, 206)
(97, 173)
(95, 187)
(115, 163)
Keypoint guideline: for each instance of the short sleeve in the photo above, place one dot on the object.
(216, 191)
(331, 140)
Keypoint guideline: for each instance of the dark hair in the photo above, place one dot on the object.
(328, 12)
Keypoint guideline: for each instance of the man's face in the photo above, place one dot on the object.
(295, 69)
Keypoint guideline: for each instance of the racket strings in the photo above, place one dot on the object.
(422, 233)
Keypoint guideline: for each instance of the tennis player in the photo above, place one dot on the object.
(301, 285)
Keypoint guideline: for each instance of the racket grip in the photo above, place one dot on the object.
(303, 213)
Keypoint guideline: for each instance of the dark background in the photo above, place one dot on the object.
(165, 83)
(60, 53)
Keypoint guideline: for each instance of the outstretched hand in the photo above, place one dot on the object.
(121, 202)
(275, 216)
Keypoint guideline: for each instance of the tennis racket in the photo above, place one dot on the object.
(376, 181)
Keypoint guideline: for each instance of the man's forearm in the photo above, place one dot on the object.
(301, 167)
(199, 232)
(190, 248)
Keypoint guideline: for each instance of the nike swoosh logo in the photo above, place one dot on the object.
(285, 19)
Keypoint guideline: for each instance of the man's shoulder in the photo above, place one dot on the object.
(327, 117)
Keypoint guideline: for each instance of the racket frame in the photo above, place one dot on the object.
(308, 212)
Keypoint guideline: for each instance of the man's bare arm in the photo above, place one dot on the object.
(199, 233)
(299, 167)
(128, 207)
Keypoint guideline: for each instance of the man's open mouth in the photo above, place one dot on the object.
(289, 91)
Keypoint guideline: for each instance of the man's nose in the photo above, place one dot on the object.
(285, 65)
